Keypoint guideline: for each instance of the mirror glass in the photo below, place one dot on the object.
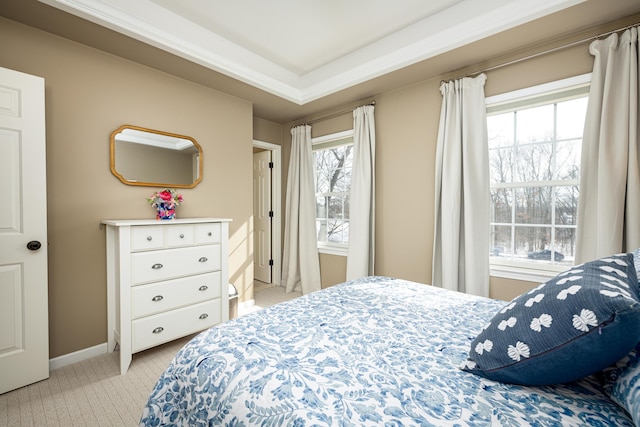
(154, 158)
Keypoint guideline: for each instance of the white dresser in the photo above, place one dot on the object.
(165, 280)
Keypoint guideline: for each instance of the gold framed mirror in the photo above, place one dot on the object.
(153, 158)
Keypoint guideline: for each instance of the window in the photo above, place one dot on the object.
(535, 142)
(333, 161)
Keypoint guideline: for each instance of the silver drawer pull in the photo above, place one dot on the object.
(203, 288)
(157, 298)
(204, 316)
(158, 330)
(203, 259)
(182, 236)
(156, 266)
(149, 238)
(209, 234)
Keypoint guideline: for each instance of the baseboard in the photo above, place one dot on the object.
(77, 356)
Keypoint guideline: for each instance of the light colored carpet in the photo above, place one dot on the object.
(93, 393)
(261, 286)
(89, 393)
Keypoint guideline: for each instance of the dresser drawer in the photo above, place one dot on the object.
(179, 235)
(166, 264)
(208, 233)
(163, 296)
(160, 328)
(147, 238)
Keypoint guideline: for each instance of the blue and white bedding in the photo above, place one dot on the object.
(372, 352)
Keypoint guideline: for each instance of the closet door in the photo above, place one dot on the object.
(24, 323)
(262, 257)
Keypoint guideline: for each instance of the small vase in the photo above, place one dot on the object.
(166, 211)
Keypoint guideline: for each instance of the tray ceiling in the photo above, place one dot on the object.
(304, 50)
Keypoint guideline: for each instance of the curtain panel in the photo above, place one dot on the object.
(361, 255)
(610, 166)
(300, 263)
(462, 202)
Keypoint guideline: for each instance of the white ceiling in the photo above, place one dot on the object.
(302, 36)
(303, 50)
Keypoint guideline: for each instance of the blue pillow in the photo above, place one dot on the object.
(636, 261)
(572, 326)
(622, 383)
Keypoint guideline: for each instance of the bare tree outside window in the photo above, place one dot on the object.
(534, 155)
(333, 166)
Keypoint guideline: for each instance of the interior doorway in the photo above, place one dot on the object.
(267, 213)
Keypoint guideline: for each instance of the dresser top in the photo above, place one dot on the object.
(131, 222)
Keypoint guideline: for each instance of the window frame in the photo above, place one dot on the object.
(552, 91)
(331, 248)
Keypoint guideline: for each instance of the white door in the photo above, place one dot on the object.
(24, 323)
(261, 217)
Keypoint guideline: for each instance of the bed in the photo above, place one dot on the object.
(370, 352)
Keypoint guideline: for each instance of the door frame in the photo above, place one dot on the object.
(276, 207)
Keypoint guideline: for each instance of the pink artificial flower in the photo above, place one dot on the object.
(166, 196)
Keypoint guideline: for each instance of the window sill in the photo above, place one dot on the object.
(333, 250)
(523, 273)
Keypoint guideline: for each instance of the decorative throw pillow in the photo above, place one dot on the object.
(636, 261)
(622, 383)
(572, 326)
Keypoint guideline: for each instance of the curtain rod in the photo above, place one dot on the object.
(332, 115)
(545, 52)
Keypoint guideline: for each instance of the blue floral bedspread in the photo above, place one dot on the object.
(373, 352)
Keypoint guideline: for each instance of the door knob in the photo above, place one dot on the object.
(33, 245)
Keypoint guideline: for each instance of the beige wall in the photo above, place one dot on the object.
(333, 270)
(88, 95)
(267, 131)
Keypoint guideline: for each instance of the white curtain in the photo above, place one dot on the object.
(462, 205)
(300, 264)
(609, 203)
(360, 259)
